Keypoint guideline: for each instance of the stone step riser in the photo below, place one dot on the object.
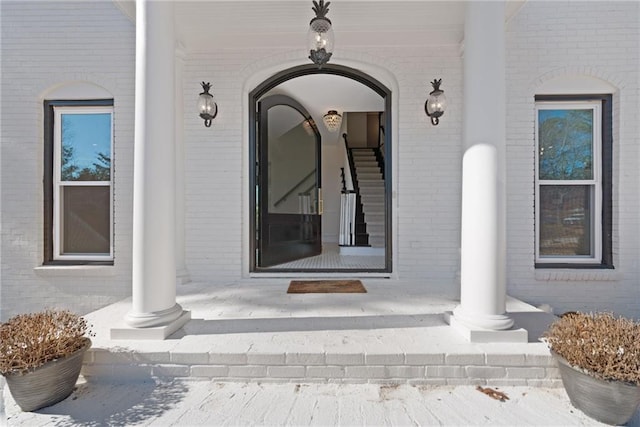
(420, 368)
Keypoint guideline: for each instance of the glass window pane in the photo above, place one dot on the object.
(86, 218)
(86, 147)
(565, 220)
(565, 144)
(292, 162)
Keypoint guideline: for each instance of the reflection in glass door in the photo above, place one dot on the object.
(289, 203)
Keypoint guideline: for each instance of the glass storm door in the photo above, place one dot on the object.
(288, 193)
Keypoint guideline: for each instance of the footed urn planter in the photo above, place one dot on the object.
(610, 402)
(47, 384)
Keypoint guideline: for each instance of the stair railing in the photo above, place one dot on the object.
(302, 181)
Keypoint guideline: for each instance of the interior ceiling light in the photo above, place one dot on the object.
(332, 120)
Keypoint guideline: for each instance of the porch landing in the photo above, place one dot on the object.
(255, 331)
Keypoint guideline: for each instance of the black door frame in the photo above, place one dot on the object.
(305, 70)
(272, 253)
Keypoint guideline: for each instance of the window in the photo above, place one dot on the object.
(78, 182)
(573, 181)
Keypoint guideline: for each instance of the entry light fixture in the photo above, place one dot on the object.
(308, 125)
(207, 106)
(332, 120)
(320, 35)
(436, 103)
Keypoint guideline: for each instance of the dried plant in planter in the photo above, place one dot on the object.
(28, 341)
(603, 346)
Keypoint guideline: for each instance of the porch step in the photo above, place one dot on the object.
(235, 337)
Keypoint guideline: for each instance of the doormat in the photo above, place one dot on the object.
(326, 287)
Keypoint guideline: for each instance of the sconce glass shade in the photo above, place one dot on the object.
(436, 103)
(332, 120)
(320, 35)
(207, 107)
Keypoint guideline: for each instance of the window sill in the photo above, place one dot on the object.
(75, 270)
(574, 275)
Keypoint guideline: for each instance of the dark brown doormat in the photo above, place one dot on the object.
(326, 287)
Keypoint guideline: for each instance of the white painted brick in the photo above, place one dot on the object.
(384, 359)
(406, 371)
(188, 358)
(344, 359)
(113, 358)
(228, 358)
(423, 359)
(464, 359)
(325, 371)
(543, 40)
(305, 359)
(286, 371)
(170, 371)
(368, 372)
(505, 359)
(445, 372)
(209, 371)
(151, 357)
(265, 358)
(526, 373)
(539, 360)
(485, 372)
(247, 371)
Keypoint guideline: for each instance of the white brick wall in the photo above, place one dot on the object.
(555, 39)
(93, 41)
(43, 46)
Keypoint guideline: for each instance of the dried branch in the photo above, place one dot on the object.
(600, 344)
(31, 340)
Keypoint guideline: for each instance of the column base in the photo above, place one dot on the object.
(161, 332)
(154, 318)
(477, 334)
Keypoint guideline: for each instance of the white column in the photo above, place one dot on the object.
(483, 243)
(182, 275)
(154, 218)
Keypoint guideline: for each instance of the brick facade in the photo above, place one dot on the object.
(45, 45)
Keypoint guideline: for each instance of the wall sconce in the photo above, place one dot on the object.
(320, 35)
(332, 120)
(207, 107)
(436, 103)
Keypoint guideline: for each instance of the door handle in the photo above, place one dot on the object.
(320, 202)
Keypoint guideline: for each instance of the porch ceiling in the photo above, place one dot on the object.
(215, 24)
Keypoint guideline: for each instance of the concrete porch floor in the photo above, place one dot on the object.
(255, 331)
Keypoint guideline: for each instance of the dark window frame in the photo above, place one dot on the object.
(607, 180)
(47, 179)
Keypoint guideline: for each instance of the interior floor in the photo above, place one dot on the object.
(330, 258)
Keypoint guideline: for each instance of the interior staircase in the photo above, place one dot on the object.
(371, 188)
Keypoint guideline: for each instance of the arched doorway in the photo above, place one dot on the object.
(313, 88)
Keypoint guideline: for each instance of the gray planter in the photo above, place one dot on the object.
(47, 384)
(610, 402)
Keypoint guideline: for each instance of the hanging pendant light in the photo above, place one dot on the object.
(332, 120)
(320, 35)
